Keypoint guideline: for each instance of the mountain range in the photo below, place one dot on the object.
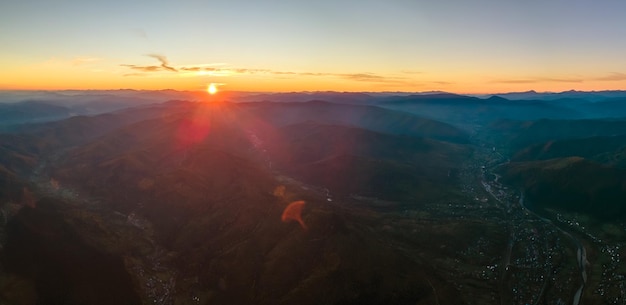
(166, 197)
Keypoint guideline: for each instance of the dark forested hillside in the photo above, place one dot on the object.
(358, 199)
(198, 190)
(573, 184)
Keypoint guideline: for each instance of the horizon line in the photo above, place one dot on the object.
(318, 91)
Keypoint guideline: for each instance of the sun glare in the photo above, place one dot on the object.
(212, 89)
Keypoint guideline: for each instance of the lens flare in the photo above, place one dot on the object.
(279, 191)
(294, 212)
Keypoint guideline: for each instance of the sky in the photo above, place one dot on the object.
(461, 46)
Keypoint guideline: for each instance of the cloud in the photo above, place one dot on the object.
(165, 66)
(442, 83)
(252, 71)
(284, 73)
(564, 80)
(362, 76)
(534, 80)
(615, 76)
(195, 69)
(230, 71)
(144, 68)
(164, 63)
(375, 78)
(313, 74)
(516, 81)
(215, 70)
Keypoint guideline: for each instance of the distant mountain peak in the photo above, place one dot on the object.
(436, 96)
(496, 98)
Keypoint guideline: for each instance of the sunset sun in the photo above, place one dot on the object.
(211, 89)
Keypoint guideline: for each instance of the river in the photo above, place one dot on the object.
(581, 252)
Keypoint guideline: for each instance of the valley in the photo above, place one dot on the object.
(181, 203)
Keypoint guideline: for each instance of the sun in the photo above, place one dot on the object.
(211, 89)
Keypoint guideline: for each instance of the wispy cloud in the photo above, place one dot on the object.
(516, 81)
(219, 69)
(165, 66)
(363, 76)
(144, 68)
(284, 73)
(564, 80)
(373, 78)
(442, 83)
(534, 80)
(164, 63)
(196, 69)
(615, 76)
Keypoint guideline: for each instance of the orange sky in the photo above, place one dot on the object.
(484, 47)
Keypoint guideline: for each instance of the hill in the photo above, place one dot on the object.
(519, 134)
(186, 193)
(350, 160)
(367, 117)
(30, 112)
(607, 150)
(469, 111)
(573, 184)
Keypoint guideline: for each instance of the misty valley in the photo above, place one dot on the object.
(172, 197)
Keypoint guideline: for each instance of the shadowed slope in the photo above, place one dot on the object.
(349, 160)
(367, 117)
(520, 134)
(607, 150)
(212, 202)
(571, 183)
